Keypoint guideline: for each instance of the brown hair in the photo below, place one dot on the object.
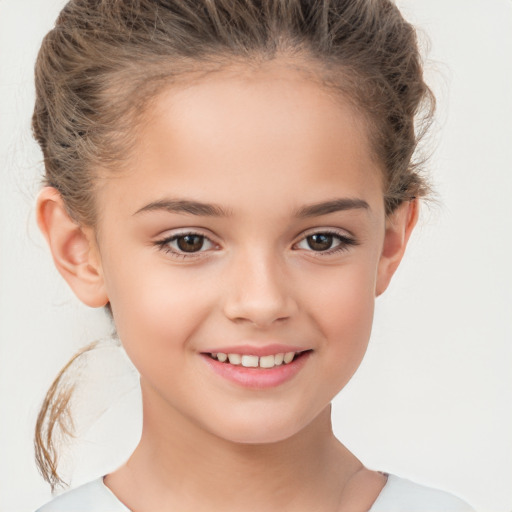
(106, 59)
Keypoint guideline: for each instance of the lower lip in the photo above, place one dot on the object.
(258, 378)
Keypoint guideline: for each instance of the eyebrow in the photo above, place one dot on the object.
(186, 206)
(334, 205)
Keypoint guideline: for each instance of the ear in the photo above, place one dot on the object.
(399, 226)
(73, 248)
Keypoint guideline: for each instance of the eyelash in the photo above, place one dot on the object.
(163, 245)
(344, 244)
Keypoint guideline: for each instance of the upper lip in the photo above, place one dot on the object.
(255, 350)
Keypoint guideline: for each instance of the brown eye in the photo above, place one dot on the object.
(186, 245)
(326, 243)
(320, 241)
(190, 243)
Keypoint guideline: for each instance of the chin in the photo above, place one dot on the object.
(257, 438)
(259, 430)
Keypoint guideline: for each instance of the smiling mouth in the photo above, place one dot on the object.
(253, 361)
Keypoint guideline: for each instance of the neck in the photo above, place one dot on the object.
(179, 466)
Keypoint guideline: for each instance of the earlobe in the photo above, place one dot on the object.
(73, 248)
(399, 227)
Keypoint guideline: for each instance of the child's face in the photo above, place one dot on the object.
(287, 248)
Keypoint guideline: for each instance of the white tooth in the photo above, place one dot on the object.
(222, 357)
(214, 355)
(234, 358)
(267, 361)
(288, 357)
(278, 359)
(249, 361)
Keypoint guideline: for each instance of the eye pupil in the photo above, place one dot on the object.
(190, 243)
(320, 241)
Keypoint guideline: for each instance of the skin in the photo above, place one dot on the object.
(261, 144)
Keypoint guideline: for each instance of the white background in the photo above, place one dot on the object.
(433, 399)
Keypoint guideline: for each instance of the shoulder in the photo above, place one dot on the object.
(92, 497)
(400, 495)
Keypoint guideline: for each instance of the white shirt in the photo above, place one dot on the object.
(398, 495)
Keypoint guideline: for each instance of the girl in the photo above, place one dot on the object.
(234, 182)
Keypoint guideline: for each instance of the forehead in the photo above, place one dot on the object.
(244, 135)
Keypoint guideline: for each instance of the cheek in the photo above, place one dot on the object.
(344, 307)
(155, 308)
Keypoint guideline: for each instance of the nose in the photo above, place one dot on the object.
(258, 291)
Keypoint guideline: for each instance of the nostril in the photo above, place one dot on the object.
(259, 293)
(259, 312)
